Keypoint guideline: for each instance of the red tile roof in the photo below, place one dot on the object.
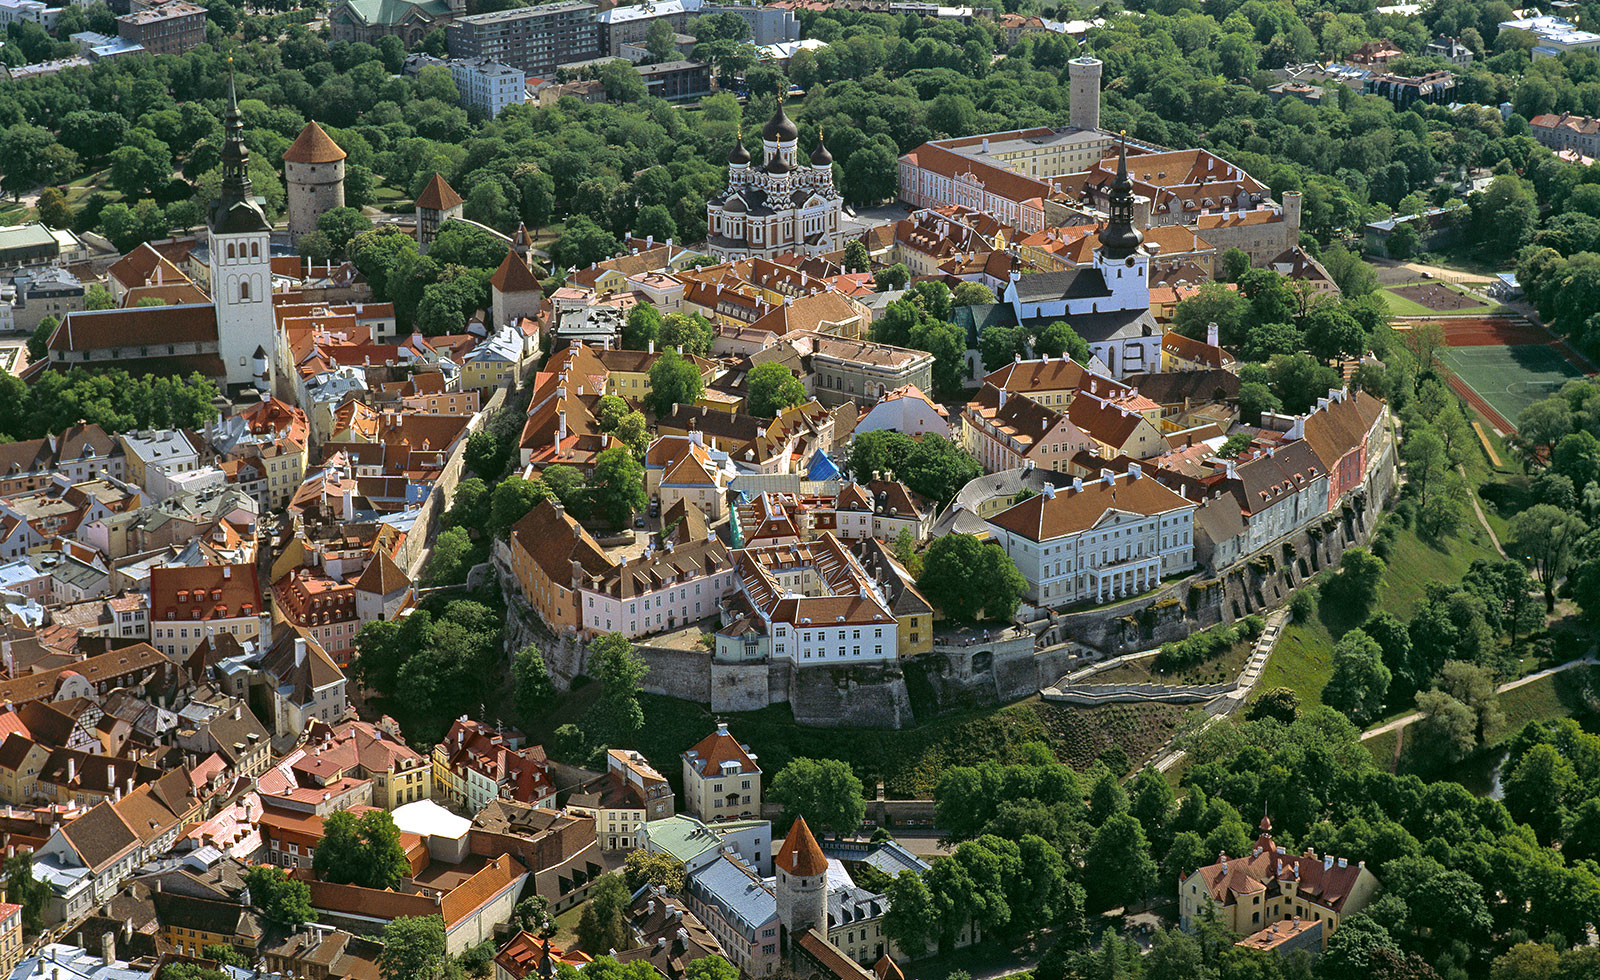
(801, 856)
(313, 146)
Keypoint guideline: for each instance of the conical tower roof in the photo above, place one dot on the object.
(438, 195)
(313, 145)
(513, 275)
(800, 855)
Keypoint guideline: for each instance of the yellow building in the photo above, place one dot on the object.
(10, 937)
(1180, 353)
(497, 360)
(1270, 885)
(628, 372)
(912, 611)
(721, 780)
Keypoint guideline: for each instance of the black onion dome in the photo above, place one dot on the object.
(780, 127)
(820, 157)
(739, 155)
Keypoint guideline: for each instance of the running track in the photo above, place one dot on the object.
(1493, 331)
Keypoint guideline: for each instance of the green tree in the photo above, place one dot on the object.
(894, 277)
(39, 340)
(98, 297)
(871, 173)
(970, 294)
(535, 692)
(414, 949)
(1360, 681)
(688, 333)
(622, 81)
(1059, 338)
(363, 851)
(1281, 703)
(450, 559)
(674, 380)
(1543, 537)
(342, 225)
(711, 968)
(1233, 264)
(856, 256)
(617, 490)
(1537, 787)
(663, 870)
(965, 578)
(912, 920)
(22, 888)
(603, 925)
(661, 40)
(773, 387)
(1117, 868)
(644, 322)
(1525, 961)
(1402, 241)
(1001, 345)
(616, 716)
(511, 501)
(284, 900)
(53, 209)
(823, 791)
(583, 243)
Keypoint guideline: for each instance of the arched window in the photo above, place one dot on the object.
(255, 250)
(244, 290)
(230, 250)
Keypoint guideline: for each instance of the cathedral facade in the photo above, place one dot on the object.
(783, 205)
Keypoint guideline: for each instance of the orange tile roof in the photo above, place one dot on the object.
(313, 146)
(438, 195)
(801, 856)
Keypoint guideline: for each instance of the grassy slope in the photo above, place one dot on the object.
(910, 761)
(1303, 658)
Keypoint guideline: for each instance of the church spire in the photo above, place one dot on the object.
(237, 210)
(1120, 238)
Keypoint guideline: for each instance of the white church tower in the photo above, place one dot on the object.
(241, 265)
(1121, 257)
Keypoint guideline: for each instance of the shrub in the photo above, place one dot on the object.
(1303, 605)
(1200, 647)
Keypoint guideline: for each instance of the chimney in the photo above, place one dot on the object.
(1211, 334)
(299, 650)
(108, 947)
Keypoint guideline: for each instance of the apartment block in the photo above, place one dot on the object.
(532, 39)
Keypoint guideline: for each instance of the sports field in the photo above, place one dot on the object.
(1510, 378)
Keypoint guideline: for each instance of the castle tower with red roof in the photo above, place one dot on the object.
(802, 887)
(313, 176)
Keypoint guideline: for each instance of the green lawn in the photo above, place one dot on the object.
(1303, 658)
(1382, 749)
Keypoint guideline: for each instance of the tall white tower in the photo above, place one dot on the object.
(241, 263)
(1084, 97)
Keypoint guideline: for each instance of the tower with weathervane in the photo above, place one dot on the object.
(241, 264)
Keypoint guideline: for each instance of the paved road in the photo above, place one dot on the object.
(1404, 720)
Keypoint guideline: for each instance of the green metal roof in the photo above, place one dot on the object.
(392, 12)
